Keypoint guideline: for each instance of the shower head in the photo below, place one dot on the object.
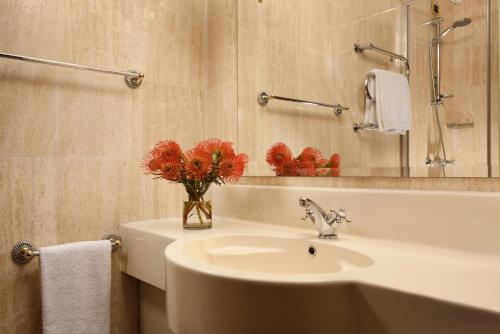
(457, 24)
(462, 23)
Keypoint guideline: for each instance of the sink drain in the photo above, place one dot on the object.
(312, 250)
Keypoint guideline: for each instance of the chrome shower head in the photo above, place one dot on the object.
(462, 23)
(457, 24)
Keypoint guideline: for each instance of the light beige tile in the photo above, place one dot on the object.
(95, 196)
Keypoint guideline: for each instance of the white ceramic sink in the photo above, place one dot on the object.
(295, 283)
(271, 255)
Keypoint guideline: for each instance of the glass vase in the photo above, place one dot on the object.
(197, 215)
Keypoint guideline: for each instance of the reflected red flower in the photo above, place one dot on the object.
(312, 155)
(335, 171)
(287, 168)
(278, 154)
(334, 161)
(307, 168)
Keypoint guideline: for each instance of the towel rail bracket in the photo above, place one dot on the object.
(24, 251)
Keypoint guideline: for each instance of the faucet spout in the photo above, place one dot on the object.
(325, 223)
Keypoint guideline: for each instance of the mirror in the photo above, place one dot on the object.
(304, 50)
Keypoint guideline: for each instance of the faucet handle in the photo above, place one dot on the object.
(309, 215)
(340, 216)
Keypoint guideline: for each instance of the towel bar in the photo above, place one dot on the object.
(24, 251)
(132, 78)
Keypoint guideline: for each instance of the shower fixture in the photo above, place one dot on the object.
(437, 96)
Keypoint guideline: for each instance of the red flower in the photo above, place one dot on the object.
(150, 164)
(278, 154)
(171, 171)
(217, 149)
(334, 160)
(231, 169)
(167, 151)
(323, 172)
(312, 155)
(306, 168)
(198, 164)
(287, 168)
(335, 171)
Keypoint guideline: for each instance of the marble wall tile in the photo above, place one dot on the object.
(71, 142)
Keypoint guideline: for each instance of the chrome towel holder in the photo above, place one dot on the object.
(263, 98)
(24, 251)
(360, 48)
(132, 78)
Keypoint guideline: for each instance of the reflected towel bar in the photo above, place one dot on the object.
(133, 78)
(24, 251)
(360, 48)
(263, 98)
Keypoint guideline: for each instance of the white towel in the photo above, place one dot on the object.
(391, 110)
(76, 283)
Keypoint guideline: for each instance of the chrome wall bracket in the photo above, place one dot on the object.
(263, 99)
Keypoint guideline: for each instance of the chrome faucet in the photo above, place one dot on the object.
(325, 223)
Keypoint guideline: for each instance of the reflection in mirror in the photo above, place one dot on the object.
(303, 50)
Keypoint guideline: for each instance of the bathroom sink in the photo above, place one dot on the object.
(272, 255)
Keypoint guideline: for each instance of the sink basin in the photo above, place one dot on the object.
(247, 284)
(274, 255)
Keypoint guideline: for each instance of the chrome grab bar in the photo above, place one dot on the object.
(24, 251)
(133, 78)
(263, 98)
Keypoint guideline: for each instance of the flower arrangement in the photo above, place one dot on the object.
(310, 162)
(210, 161)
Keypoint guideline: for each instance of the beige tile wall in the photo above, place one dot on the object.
(71, 142)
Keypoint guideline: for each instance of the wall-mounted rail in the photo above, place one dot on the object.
(263, 98)
(24, 251)
(360, 48)
(133, 78)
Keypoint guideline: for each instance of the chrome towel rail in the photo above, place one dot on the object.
(263, 98)
(24, 251)
(360, 48)
(133, 78)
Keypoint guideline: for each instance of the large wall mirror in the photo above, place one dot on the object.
(302, 49)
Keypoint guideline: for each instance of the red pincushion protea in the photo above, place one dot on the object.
(278, 154)
(217, 149)
(231, 169)
(334, 161)
(198, 164)
(306, 168)
(167, 151)
(287, 168)
(312, 155)
(171, 171)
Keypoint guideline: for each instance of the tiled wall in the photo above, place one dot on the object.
(71, 141)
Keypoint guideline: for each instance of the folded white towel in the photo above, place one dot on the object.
(76, 283)
(391, 110)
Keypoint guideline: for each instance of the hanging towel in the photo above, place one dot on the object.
(391, 110)
(76, 283)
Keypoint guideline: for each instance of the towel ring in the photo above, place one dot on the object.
(367, 91)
